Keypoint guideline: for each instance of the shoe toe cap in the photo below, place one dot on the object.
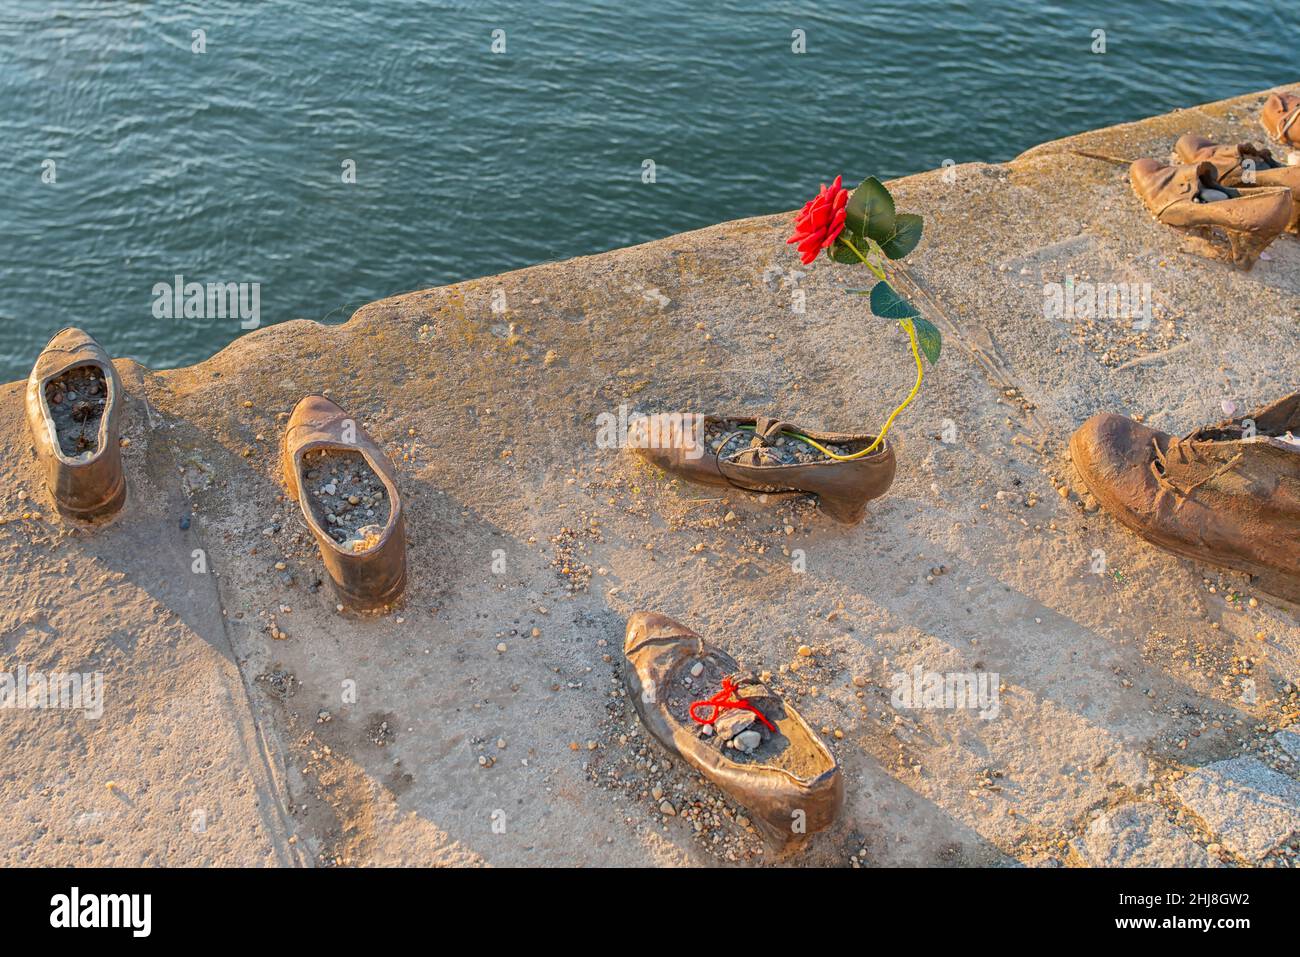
(1143, 170)
(313, 409)
(71, 336)
(639, 434)
(1108, 446)
(642, 625)
(1188, 145)
(672, 441)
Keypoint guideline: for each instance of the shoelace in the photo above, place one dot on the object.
(722, 701)
(763, 452)
(1286, 123)
(1159, 467)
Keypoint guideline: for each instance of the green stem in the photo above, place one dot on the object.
(911, 335)
(880, 273)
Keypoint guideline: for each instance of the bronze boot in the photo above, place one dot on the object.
(1226, 494)
(74, 409)
(367, 564)
(762, 754)
(762, 455)
(1243, 167)
(1190, 197)
(1281, 118)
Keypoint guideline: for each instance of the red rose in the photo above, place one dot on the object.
(820, 221)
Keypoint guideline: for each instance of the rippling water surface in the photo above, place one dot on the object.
(226, 166)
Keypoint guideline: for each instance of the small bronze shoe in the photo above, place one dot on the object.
(763, 755)
(1190, 197)
(74, 409)
(368, 567)
(756, 456)
(1281, 118)
(1226, 494)
(1243, 167)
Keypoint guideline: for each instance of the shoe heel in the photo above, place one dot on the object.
(844, 511)
(98, 513)
(1246, 247)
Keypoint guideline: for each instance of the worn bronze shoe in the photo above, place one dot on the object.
(74, 408)
(1227, 494)
(754, 746)
(761, 455)
(347, 489)
(1281, 118)
(1243, 167)
(1190, 197)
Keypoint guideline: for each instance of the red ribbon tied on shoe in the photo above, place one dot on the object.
(722, 701)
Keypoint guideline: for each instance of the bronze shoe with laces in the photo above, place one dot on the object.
(762, 754)
(1281, 118)
(1226, 494)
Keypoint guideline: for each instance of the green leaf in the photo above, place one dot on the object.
(907, 233)
(840, 253)
(870, 211)
(927, 338)
(888, 304)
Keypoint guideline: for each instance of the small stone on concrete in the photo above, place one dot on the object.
(1288, 739)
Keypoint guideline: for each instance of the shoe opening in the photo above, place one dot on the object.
(76, 399)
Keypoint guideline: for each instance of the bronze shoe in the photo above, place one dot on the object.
(74, 409)
(1226, 494)
(754, 457)
(1243, 167)
(368, 567)
(1281, 118)
(1190, 197)
(788, 780)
